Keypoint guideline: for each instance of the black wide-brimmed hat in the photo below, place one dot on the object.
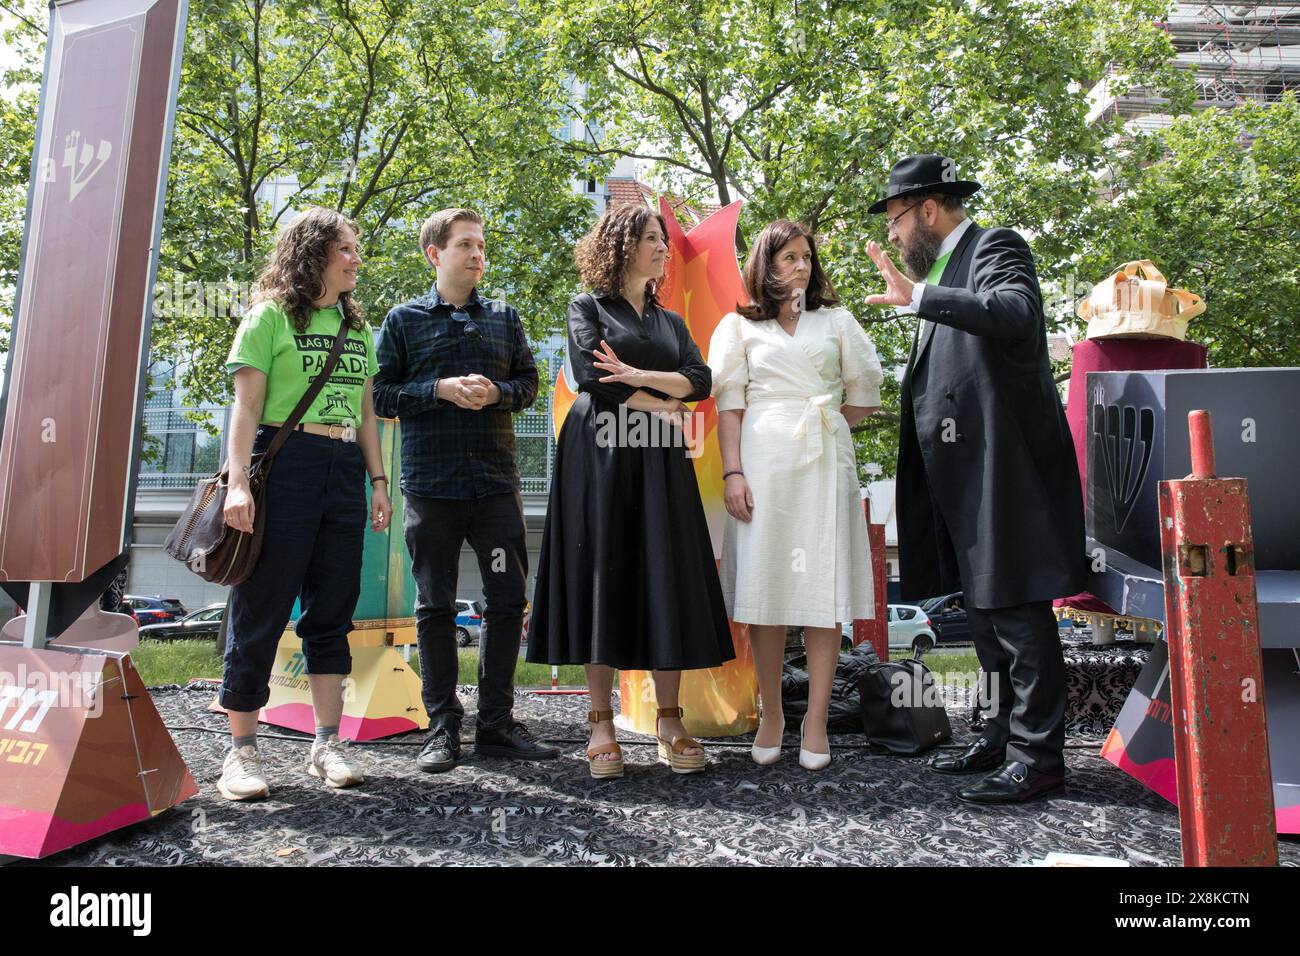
(927, 173)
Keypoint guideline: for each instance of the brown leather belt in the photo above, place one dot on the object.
(337, 432)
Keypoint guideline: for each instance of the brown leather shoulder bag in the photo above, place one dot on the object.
(211, 548)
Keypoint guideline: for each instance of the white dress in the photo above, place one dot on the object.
(804, 558)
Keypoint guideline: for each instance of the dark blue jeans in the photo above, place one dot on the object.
(315, 528)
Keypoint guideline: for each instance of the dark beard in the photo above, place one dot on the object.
(920, 252)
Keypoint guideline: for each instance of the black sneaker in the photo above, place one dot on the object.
(514, 740)
(440, 751)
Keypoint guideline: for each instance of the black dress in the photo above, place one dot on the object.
(626, 575)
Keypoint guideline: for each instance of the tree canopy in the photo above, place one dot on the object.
(387, 109)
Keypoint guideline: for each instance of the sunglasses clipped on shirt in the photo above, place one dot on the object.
(467, 323)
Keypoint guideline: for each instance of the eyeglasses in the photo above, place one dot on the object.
(471, 330)
(891, 223)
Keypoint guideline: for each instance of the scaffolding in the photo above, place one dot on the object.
(1239, 52)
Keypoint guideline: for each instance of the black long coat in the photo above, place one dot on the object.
(988, 495)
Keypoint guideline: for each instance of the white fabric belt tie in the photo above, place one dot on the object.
(818, 419)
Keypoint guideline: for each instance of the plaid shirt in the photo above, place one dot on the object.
(449, 451)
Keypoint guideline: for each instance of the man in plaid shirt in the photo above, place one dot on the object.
(453, 366)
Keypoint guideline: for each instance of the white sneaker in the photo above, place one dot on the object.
(331, 762)
(241, 775)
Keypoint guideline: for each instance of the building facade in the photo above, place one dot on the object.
(1236, 53)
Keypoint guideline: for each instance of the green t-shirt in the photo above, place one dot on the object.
(267, 341)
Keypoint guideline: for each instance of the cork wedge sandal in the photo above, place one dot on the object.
(672, 753)
(602, 769)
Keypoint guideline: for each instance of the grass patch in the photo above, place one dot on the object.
(526, 674)
(179, 662)
(944, 663)
(175, 662)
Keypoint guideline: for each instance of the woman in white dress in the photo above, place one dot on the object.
(791, 374)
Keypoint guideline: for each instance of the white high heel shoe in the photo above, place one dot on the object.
(808, 759)
(766, 756)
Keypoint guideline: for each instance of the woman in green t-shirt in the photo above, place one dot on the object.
(315, 493)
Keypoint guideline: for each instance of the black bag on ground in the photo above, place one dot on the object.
(844, 712)
(902, 708)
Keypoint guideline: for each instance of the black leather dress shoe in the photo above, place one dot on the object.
(1014, 783)
(980, 756)
(514, 740)
(440, 752)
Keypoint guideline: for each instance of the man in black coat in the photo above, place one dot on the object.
(988, 495)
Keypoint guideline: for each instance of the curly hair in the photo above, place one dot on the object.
(603, 253)
(766, 291)
(292, 276)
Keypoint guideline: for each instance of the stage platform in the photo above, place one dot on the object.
(864, 810)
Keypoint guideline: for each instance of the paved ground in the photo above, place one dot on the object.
(864, 810)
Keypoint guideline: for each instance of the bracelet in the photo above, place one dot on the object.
(728, 474)
(374, 478)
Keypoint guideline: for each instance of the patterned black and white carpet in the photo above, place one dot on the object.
(863, 810)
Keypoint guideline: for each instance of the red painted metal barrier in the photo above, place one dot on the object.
(1225, 783)
(875, 630)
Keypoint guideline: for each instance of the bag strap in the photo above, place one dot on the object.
(308, 396)
(1146, 267)
(1190, 305)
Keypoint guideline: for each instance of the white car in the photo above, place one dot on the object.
(909, 629)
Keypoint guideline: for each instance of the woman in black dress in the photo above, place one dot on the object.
(626, 578)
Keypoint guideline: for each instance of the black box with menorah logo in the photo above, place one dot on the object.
(1137, 437)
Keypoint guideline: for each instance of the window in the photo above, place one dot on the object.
(182, 452)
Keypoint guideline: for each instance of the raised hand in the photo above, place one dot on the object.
(618, 370)
(898, 287)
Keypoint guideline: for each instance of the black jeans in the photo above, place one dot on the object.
(435, 530)
(315, 531)
(1020, 648)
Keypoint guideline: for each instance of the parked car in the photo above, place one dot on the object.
(909, 630)
(203, 623)
(155, 609)
(948, 618)
(469, 622)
